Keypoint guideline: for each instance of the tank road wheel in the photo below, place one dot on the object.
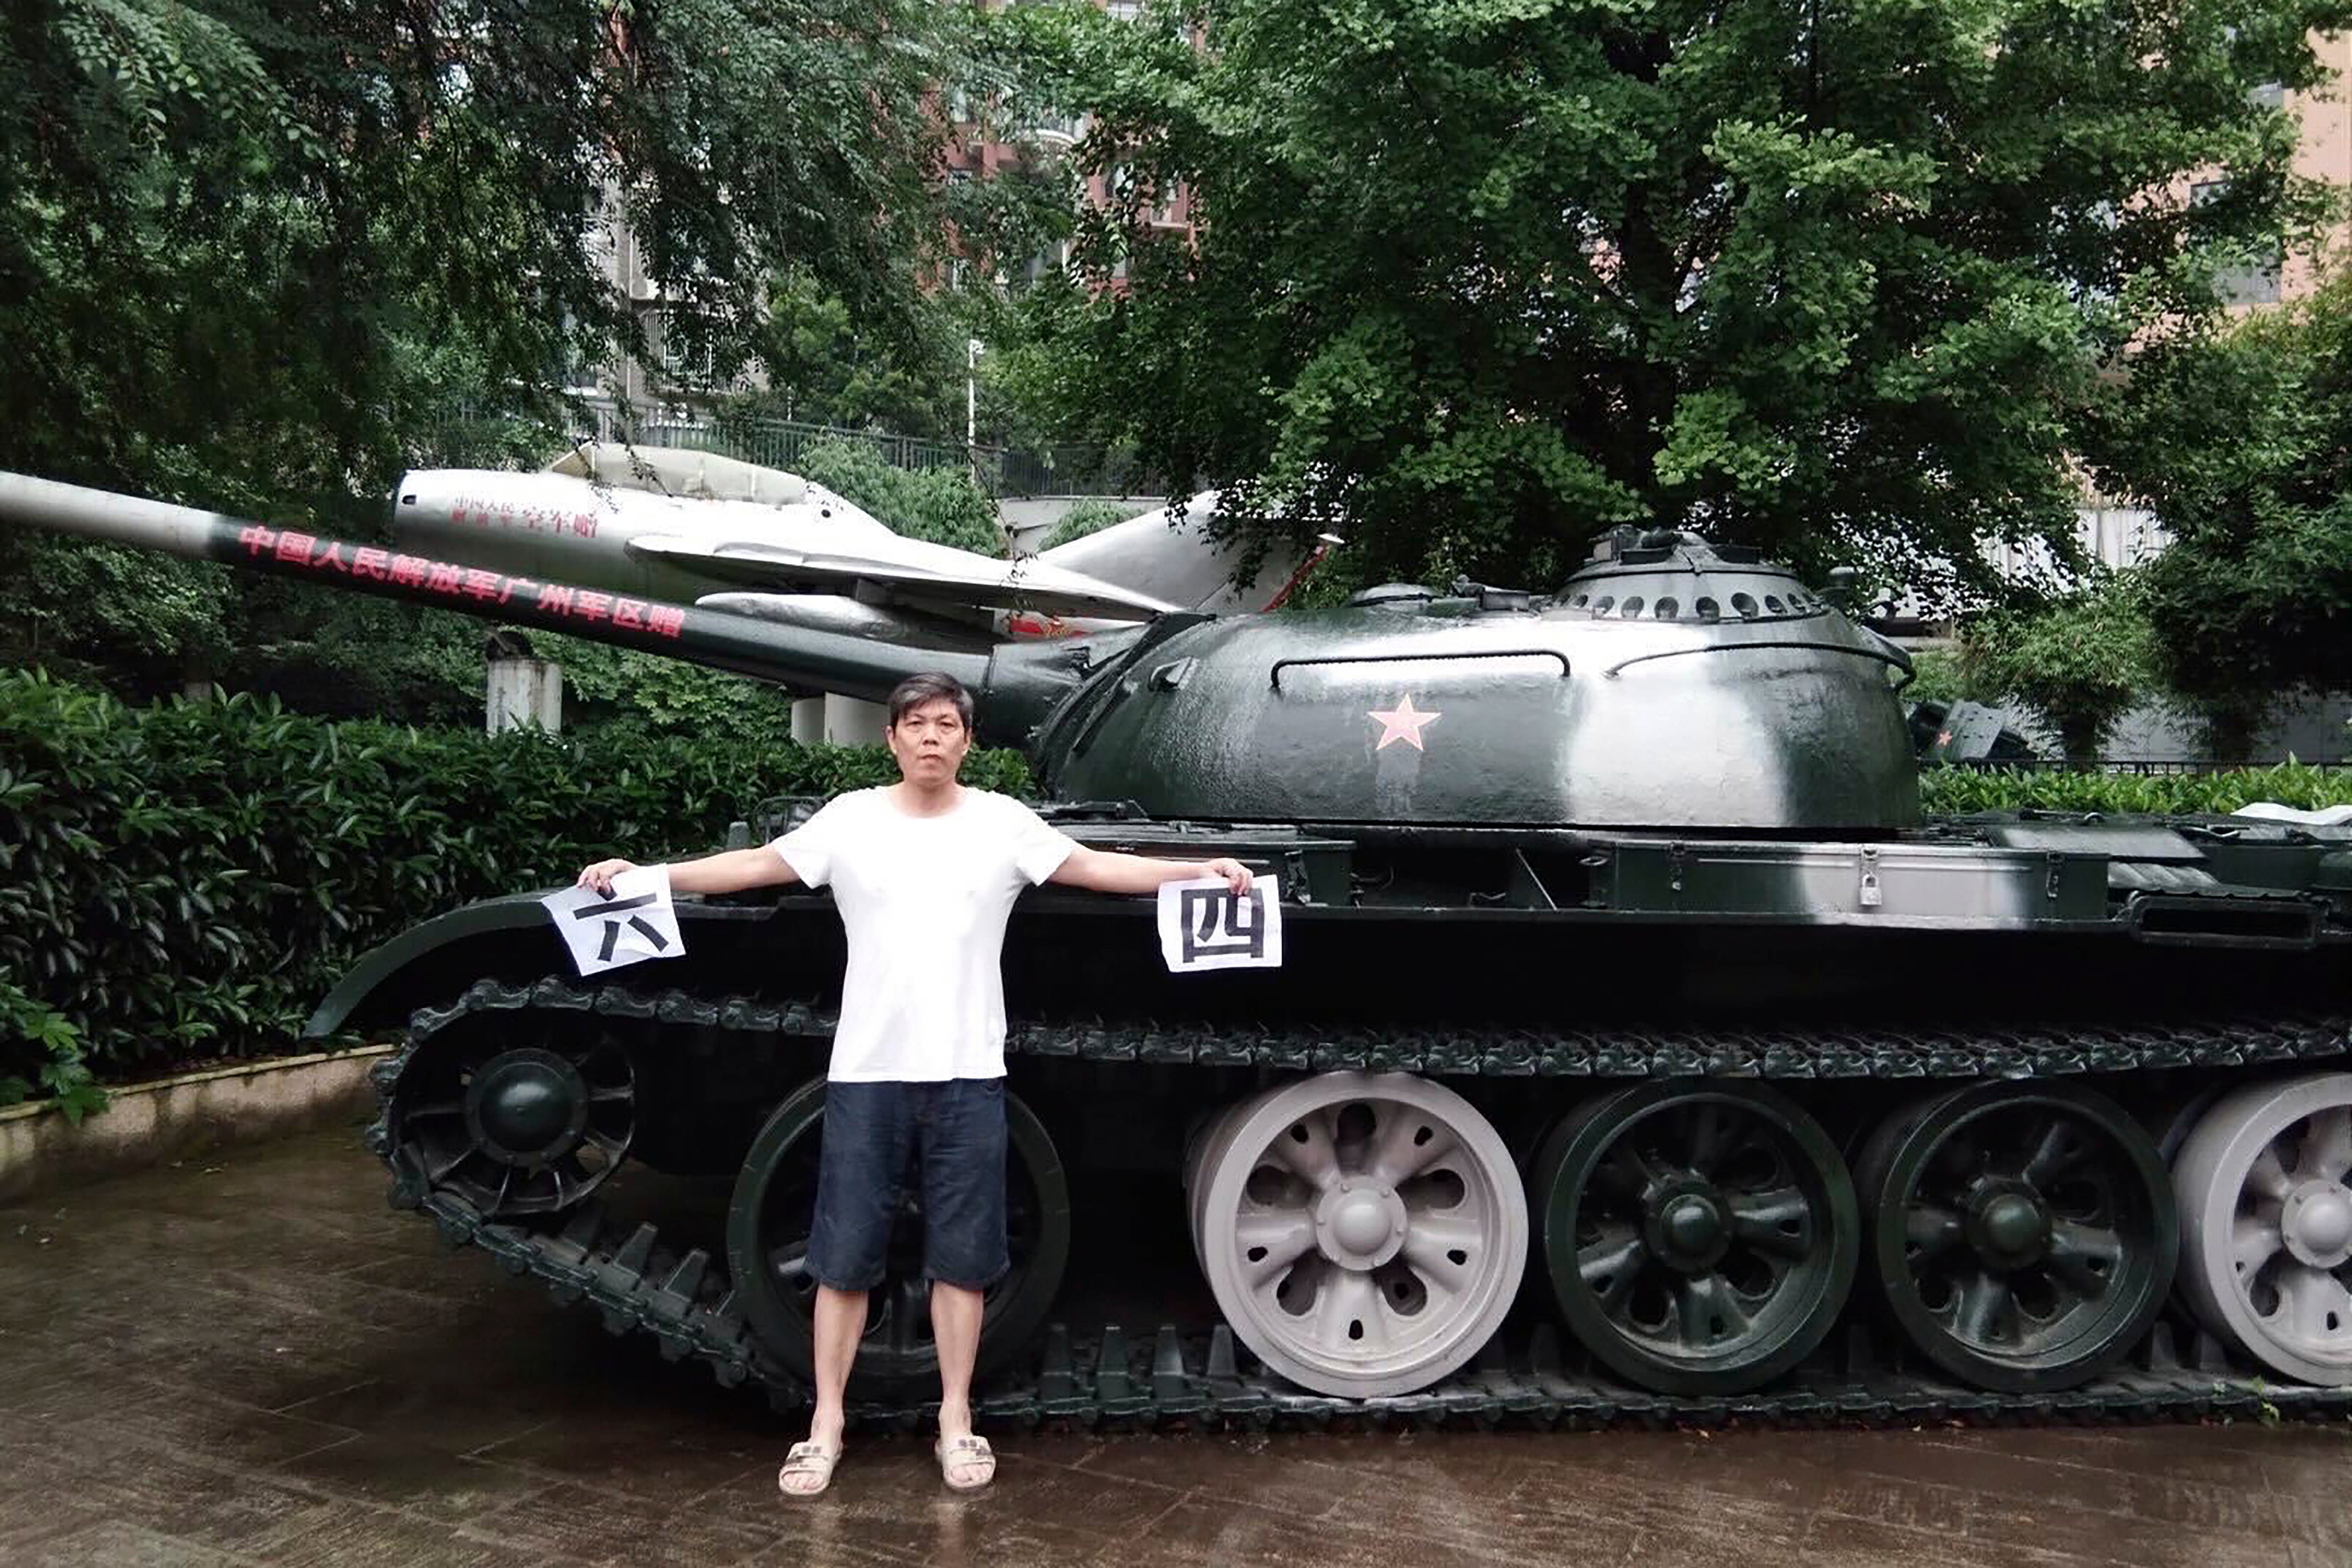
(2026, 1234)
(775, 1205)
(1700, 1237)
(1364, 1234)
(2266, 1224)
(525, 1122)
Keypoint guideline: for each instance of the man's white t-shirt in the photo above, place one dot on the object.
(924, 901)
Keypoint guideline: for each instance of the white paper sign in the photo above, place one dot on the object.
(633, 923)
(2270, 810)
(1204, 924)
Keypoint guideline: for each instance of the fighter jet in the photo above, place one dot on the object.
(695, 527)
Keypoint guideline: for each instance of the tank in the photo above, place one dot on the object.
(1639, 1052)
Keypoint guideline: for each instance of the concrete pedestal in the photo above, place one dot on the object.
(524, 691)
(850, 721)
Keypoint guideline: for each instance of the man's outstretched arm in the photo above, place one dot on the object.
(729, 870)
(1108, 871)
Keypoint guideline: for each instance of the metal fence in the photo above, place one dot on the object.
(772, 443)
(1001, 471)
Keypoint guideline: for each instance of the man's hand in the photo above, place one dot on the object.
(600, 875)
(1236, 875)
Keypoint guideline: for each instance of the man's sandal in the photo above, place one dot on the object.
(973, 1452)
(808, 1460)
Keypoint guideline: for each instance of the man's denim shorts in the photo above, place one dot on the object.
(952, 1136)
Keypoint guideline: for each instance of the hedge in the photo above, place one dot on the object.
(1952, 791)
(185, 881)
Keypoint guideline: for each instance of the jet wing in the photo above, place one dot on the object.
(938, 572)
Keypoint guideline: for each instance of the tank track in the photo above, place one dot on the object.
(1172, 1378)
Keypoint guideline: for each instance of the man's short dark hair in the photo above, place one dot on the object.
(916, 690)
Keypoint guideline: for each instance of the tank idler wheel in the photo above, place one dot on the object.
(526, 1123)
(1700, 1237)
(1364, 1234)
(2266, 1224)
(773, 1208)
(2024, 1234)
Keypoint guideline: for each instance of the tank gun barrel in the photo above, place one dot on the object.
(1018, 689)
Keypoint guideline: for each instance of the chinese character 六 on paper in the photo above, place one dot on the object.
(632, 924)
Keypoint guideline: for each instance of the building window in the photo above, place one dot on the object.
(2255, 282)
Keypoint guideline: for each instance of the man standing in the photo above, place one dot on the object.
(924, 873)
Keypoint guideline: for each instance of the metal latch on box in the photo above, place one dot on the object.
(1871, 895)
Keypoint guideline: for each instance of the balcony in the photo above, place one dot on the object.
(1057, 134)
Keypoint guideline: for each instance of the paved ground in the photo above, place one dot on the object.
(251, 1360)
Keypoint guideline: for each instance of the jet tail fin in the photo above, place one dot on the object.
(1168, 555)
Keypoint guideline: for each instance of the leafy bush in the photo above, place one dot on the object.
(2237, 437)
(2082, 662)
(606, 686)
(1936, 677)
(1955, 791)
(941, 505)
(187, 880)
(65, 1076)
(1086, 518)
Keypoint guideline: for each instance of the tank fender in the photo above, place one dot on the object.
(508, 938)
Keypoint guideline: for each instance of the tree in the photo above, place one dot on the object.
(2081, 661)
(2240, 439)
(819, 367)
(1844, 279)
(820, 360)
(252, 255)
(939, 506)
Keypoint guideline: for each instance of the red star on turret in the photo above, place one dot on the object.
(1403, 723)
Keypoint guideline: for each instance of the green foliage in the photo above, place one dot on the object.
(821, 368)
(30, 1030)
(1959, 791)
(1844, 280)
(2081, 661)
(662, 698)
(823, 364)
(188, 880)
(1936, 677)
(1086, 518)
(2242, 440)
(253, 256)
(944, 505)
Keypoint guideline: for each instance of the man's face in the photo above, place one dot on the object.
(930, 741)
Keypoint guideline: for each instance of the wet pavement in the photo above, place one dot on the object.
(250, 1360)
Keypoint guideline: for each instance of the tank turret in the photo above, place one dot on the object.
(1669, 684)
